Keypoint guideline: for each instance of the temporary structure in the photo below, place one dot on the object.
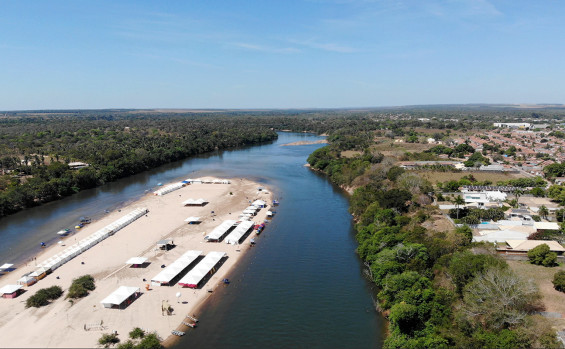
(239, 232)
(10, 291)
(27, 280)
(165, 244)
(123, 294)
(88, 242)
(175, 268)
(39, 273)
(136, 261)
(220, 230)
(169, 188)
(195, 276)
(192, 220)
(194, 202)
(259, 203)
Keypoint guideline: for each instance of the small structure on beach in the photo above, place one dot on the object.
(174, 269)
(195, 202)
(221, 230)
(259, 203)
(27, 280)
(136, 262)
(169, 188)
(10, 291)
(165, 244)
(122, 297)
(193, 220)
(195, 276)
(239, 231)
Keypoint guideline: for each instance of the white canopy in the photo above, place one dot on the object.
(238, 232)
(6, 266)
(169, 188)
(25, 279)
(258, 203)
(119, 296)
(220, 230)
(193, 278)
(136, 260)
(175, 268)
(9, 289)
(192, 219)
(39, 271)
(191, 201)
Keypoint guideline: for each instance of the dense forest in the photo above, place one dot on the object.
(35, 151)
(37, 146)
(437, 288)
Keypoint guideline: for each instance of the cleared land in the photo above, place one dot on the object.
(438, 176)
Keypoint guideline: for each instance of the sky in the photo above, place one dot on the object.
(279, 54)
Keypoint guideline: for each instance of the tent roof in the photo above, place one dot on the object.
(136, 260)
(120, 295)
(9, 289)
(526, 245)
(170, 272)
(239, 231)
(192, 219)
(193, 277)
(164, 242)
(6, 266)
(220, 230)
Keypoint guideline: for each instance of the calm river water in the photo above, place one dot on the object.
(301, 287)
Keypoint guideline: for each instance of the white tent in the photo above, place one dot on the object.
(259, 203)
(136, 260)
(238, 232)
(6, 266)
(194, 202)
(193, 278)
(220, 230)
(175, 268)
(9, 289)
(119, 296)
(169, 188)
(192, 219)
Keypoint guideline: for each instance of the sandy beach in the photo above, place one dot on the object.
(62, 324)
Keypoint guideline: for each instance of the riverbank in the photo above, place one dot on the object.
(61, 324)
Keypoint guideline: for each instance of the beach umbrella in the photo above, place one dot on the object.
(178, 296)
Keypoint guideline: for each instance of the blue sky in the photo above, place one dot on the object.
(279, 54)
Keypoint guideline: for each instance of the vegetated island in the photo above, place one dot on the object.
(155, 309)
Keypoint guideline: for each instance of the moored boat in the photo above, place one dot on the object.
(64, 232)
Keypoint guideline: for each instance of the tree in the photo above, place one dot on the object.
(517, 193)
(543, 211)
(498, 298)
(559, 281)
(458, 201)
(541, 255)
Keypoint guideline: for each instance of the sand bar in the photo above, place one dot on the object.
(62, 324)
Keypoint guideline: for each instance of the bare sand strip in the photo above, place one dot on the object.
(321, 141)
(62, 324)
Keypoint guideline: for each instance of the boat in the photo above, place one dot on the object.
(275, 202)
(63, 232)
(260, 228)
(189, 324)
(252, 241)
(80, 225)
(270, 213)
(177, 333)
(85, 220)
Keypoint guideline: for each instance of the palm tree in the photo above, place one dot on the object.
(458, 201)
(543, 211)
(517, 193)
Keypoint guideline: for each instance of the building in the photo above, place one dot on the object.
(523, 246)
(520, 125)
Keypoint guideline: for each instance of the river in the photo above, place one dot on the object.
(301, 287)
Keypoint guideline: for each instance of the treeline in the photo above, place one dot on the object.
(35, 152)
(437, 289)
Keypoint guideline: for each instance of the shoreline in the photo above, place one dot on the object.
(61, 323)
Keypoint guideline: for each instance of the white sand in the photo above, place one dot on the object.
(61, 324)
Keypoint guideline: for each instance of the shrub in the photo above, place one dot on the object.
(541, 255)
(80, 287)
(150, 341)
(108, 339)
(43, 296)
(559, 281)
(136, 333)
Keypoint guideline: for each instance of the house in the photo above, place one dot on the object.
(546, 226)
(485, 198)
(523, 246)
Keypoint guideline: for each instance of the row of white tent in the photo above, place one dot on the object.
(169, 188)
(194, 276)
(86, 243)
(175, 268)
(207, 181)
(236, 235)
(220, 230)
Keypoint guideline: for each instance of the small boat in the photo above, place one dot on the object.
(63, 232)
(189, 324)
(80, 225)
(252, 241)
(85, 220)
(192, 318)
(275, 202)
(159, 184)
(177, 333)
(270, 213)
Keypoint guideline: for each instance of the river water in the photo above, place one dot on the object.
(301, 287)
